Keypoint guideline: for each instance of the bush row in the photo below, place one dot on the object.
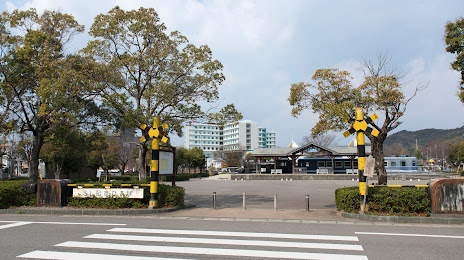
(179, 177)
(168, 196)
(405, 201)
(12, 194)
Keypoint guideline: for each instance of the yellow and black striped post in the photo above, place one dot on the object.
(361, 158)
(154, 133)
(154, 168)
(360, 126)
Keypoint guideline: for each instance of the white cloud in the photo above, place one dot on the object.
(265, 46)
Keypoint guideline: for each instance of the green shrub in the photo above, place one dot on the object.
(347, 199)
(168, 196)
(107, 203)
(179, 177)
(171, 196)
(12, 194)
(124, 178)
(385, 200)
(399, 201)
(84, 180)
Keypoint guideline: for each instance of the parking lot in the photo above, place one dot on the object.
(260, 194)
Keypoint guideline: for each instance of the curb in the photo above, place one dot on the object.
(76, 211)
(406, 219)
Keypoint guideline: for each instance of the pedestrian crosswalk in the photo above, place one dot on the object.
(137, 243)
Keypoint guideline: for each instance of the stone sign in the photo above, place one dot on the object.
(133, 193)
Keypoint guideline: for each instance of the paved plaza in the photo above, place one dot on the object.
(260, 194)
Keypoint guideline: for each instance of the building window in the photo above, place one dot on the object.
(347, 164)
(328, 164)
(393, 164)
(338, 164)
(320, 164)
(403, 163)
(385, 164)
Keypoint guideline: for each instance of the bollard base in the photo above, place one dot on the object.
(152, 204)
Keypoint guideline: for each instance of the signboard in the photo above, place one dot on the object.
(133, 193)
(312, 150)
(166, 162)
(369, 166)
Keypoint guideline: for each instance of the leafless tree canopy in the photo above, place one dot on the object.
(325, 140)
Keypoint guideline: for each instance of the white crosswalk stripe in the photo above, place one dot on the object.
(228, 242)
(164, 241)
(79, 256)
(233, 234)
(16, 224)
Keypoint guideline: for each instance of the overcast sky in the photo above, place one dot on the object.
(265, 46)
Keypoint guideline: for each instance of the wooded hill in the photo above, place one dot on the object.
(424, 137)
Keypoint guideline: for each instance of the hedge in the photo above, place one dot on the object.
(168, 196)
(347, 199)
(404, 201)
(12, 194)
(179, 177)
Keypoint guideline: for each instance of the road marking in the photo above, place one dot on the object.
(79, 256)
(63, 223)
(234, 234)
(210, 251)
(228, 242)
(406, 235)
(16, 224)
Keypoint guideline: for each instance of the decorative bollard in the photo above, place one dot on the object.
(307, 202)
(214, 200)
(244, 201)
(275, 202)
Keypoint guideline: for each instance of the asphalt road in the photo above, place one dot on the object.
(135, 237)
(260, 194)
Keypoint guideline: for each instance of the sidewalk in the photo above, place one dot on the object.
(267, 214)
(238, 214)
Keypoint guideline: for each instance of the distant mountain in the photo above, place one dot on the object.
(424, 137)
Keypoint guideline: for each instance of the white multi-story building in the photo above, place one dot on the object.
(243, 135)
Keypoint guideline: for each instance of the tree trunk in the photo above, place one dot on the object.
(377, 153)
(37, 143)
(122, 168)
(58, 169)
(105, 170)
(141, 162)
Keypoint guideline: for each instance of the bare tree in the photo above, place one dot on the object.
(126, 145)
(334, 98)
(230, 158)
(325, 140)
(396, 149)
